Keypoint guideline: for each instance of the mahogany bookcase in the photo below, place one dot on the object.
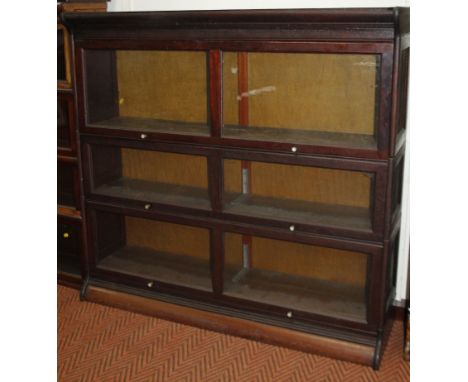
(242, 170)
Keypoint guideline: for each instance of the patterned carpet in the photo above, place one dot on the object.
(99, 343)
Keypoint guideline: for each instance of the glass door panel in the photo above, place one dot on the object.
(68, 246)
(154, 250)
(300, 194)
(306, 278)
(63, 124)
(61, 52)
(302, 98)
(151, 176)
(66, 178)
(153, 91)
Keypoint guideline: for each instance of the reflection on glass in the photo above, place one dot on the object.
(154, 91)
(309, 98)
(158, 251)
(320, 280)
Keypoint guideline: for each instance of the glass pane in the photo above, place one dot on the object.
(68, 247)
(63, 132)
(65, 185)
(154, 91)
(151, 176)
(300, 277)
(301, 194)
(154, 250)
(304, 98)
(61, 62)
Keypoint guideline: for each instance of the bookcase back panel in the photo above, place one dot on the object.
(309, 261)
(163, 85)
(168, 237)
(313, 184)
(172, 168)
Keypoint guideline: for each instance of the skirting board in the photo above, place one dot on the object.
(273, 335)
(69, 280)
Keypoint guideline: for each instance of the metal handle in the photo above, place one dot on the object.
(150, 284)
(147, 206)
(292, 228)
(294, 149)
(289, 314)
(66, 235)
(143, 136)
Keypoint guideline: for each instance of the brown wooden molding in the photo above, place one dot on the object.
(398, 312)
(69, 279)
(83, 6)
(68, 212)
(274, 335)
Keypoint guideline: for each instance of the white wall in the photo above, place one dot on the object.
(173, 5)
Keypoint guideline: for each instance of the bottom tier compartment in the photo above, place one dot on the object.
(153, 250)
(301, 277)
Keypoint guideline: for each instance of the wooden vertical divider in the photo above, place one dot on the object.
(246, 168)
(215, 168)
(215, 98)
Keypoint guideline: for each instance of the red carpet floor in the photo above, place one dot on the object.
(99, 343)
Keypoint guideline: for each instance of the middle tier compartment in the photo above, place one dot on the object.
(299, 194)
(329, 196)
(157, 176)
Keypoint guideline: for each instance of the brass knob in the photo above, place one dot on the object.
(143, 136)
(294, 149)
(147, 206)
(289, 314)
(66, 235)
(150, 284)
(292, 228)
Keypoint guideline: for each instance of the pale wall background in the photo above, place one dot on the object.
(173, 5)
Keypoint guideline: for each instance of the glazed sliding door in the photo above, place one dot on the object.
(129, 172)
(311, 194)
(304, 98)
(153, 251)
(63, 58)
(147, 91)
(300, 278)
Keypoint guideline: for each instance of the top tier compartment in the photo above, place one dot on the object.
(316, 83)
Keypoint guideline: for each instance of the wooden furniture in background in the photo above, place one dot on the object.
(69, 211)
(242, 170)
